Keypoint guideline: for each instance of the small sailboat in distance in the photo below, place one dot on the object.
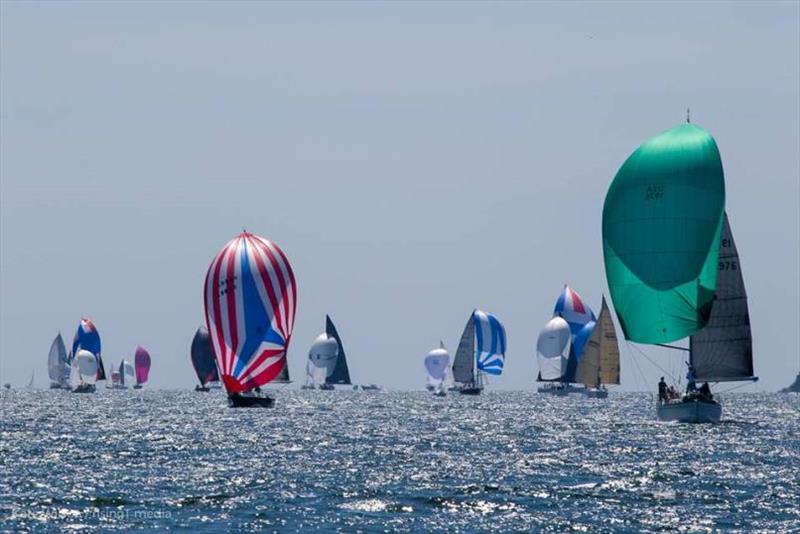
(663, 227)
(83, 372)
(480, 351)
(203, 360)
(322, 361)
(141, 361)
(553, 348)
(250, 303)
(88, 338)
(599, 362)
(127, 375)
(437, 362)
(341, 373)
(57, 364)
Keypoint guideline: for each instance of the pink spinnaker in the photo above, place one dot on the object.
(142, 364)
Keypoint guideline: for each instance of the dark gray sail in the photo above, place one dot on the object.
(723, 350)
(203, 357)
(340, 375)
(283, 377)
(463, 371)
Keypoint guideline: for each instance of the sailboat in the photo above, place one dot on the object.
(577, 315)
(599, 363)
(141, 361)
(88, 338)
(30, 382)
(664, 226)
(57, 364)
(127, 375)
(203, 360)
(437, 362)
(322, 361)
(340, 375)
(250, 304)
(481, 350)
(83, 372)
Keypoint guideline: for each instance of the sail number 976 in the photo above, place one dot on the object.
(729, 265)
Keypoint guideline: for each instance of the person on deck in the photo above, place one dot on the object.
(691, 379)
(705, 392)
(662, 391)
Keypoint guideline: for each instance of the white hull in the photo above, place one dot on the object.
(690, 411)
(560, 390)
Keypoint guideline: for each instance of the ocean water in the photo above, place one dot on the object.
(393, 461)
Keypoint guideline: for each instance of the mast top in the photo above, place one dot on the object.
(688, 116)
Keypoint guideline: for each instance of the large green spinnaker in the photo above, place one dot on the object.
(661, 229)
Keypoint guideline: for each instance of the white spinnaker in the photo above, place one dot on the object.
(553, 349)
(87, 366)
(323, 354)
(436, 363)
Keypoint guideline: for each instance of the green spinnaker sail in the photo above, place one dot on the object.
(662, 220)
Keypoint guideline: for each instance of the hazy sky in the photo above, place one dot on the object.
(414, 160)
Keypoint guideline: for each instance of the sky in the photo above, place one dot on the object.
(414, 161)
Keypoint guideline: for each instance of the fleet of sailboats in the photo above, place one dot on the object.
(671, 263)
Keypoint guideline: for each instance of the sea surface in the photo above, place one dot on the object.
(393, 461)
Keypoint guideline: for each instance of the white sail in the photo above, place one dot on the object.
(86, 364)
(57, 360)
(553, 349)
(323, 354)
(436, 363)
(127, 375)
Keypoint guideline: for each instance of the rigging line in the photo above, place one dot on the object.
(653, 362)
(643, 382)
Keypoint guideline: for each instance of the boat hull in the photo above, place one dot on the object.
(690, 411)
(470, 391)
(593, 393)
(326, 387)
(84, 388)
(202, 389)
(137, 386)
(242, 401)
(55, 385)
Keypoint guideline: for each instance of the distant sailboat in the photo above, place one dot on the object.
(83, 372)
(437, 362)
(250, 303)
(340, 374)
(663, 227)
(141, 361)
(57, 364)
(30, 382)
(599, 364)
(203, 360)
(480, 351)
(127, 375)
(553, 347)
(88, 338)
(322, 361)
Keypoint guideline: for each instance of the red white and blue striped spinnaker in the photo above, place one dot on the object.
(250, 300)
(571, 308)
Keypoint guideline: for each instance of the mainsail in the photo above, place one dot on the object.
(203, 357)
(141, 360)
(88, 338)
(662, 220)
(490, 352)
(57, 360)
(250, 302)
(600, 360)
(126, 373)
(463, 371)
(553, 347)
(340, 374)
(723, 350)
